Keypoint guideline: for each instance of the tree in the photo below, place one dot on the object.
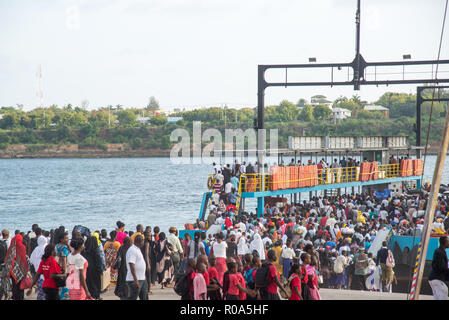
(365, 114)
(127, 118)
(400, 104)
(287, 111)
(159, 120)
(356, 99)
(153, 104)
(345, 103)
(306, 114)
(301, 103)
(322, 112)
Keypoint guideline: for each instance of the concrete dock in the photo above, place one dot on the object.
(326, 294)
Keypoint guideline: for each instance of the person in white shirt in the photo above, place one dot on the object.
(383, 214)
(266, 239)
(219, 177)
(228, 187)
(241, 226)
(217, 167)
(219, 247)
(177, 248)
(257, 245)
(243, 168)
(220, 220)
(135, 276)
(288, 254)
(345, 247)
(242, 246)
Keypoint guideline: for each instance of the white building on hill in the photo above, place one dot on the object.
(340, 113)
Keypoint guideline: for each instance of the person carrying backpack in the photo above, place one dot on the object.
(361, 267)
(267, 279)
(184, 282)
(386, 261)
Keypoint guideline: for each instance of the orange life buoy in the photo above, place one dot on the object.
(210, 183)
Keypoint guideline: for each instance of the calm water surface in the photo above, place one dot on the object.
(98, 192)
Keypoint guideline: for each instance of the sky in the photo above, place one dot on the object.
(198, 53)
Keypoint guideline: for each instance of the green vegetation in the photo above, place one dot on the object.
(55, 125)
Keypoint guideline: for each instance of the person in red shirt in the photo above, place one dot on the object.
(50, 269)
(271, 291)
(323, 221)
(295, 283)
(228, 222)
(237, 289)
(214, 293)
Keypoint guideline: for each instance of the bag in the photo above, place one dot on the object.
(25, 283)
(262, 276)
(287, 284)
(320, 279)
(248, 276)
(105, 279)
(305, 293)
(181, 286)
(3, 250)
(73, 280)
(362, 262)
(85, 232)
(390, 260)
(60, 281)
(338, 267)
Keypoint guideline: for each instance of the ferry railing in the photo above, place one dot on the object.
(251, 182)
(389, 171)
(338, 175)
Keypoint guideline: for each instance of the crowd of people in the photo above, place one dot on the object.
(292, 250)
(84, 265)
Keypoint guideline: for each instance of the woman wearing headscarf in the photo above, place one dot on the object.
(17, 265)
(35, 258)
(257, 245)
(94, 269)
(121, 289)
(100, 249)
(164, 265)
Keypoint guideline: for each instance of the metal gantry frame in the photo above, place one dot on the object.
(358, 65)
(419, 101)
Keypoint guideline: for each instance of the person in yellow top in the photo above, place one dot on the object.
(139, 232)
(278, 249)
(360, 217)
